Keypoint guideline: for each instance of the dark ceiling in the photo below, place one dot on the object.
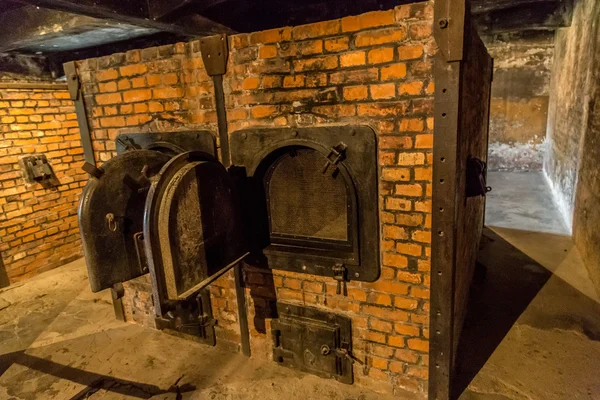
(63, 30)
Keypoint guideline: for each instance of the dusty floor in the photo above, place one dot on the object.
(532, 333)
(60, 341)
(533, 330)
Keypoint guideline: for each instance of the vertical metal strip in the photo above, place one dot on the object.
(76, 94)
(449, 27)
(214, 55)
(443, 246)
(242, 310)
(222, 120)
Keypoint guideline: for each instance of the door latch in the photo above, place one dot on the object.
(341, 352)
(336, 155)
(340, 273)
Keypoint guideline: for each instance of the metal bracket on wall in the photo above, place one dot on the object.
(214, 52)
(76, 94)
(449, 28)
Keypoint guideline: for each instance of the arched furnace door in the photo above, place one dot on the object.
(192, 227)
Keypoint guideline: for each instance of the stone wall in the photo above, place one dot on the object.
(587, 199)
(571, 90)
(520, 96)
(38, 226)
(374, 69)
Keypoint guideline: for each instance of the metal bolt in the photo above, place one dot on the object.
(325, 350)
(244, 135)
(356, 274)
(443, 23)
(304, 268)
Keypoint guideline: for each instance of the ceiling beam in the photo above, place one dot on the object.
(525, 17)
(29, 25)
(134, 12)
(486, 6)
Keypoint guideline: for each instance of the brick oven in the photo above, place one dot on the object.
(273, 192)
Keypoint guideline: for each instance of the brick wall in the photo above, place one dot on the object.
(374, 69)
(38, 226)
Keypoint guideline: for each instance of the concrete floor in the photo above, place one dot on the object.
(533, 329)
(60, 341)
(532, 333)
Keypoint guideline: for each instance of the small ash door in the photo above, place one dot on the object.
(192, 227)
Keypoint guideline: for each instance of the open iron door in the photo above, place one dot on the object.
(111, 216)
(192, 227)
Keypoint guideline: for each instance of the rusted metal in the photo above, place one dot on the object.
(171, 143)
(110, 253)
(187, 243)
(261, 152)
(215, 52)
(448, 28)
(462, 77)
(117, 292)
(77, 96)
(192, 318)
(313, 341)
(443, 255)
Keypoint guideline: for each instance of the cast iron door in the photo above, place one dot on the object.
(192, 227)
(111, 216)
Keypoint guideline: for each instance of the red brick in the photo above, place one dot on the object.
(395, 142)
(381, 36)
(133, 96)
(264, 111)
(107, 75)
(326, 28)
(407, 330)
(394, 232)
(424, 141)
(291, 81)
(410, 88)
(353, 59)
(392, 203)
(374, 337)
(422, 236)
(267, 52)
(352, 93)
(380, 326)
(410, 52)
(395, 71)
(337, 44)
(381, 55)
(316, 64)
(405, 304)
(384, 91)
(135, 69)
(111, 98)
(395, 174)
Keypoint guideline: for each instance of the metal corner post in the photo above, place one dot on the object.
(449, 31)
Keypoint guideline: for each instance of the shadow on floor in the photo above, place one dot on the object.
(497, 300)
(516, 287)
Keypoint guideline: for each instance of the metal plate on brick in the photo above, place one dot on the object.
(192, 226)
(339, 167)
(111, 213)
(170, 143)
(314, 341)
